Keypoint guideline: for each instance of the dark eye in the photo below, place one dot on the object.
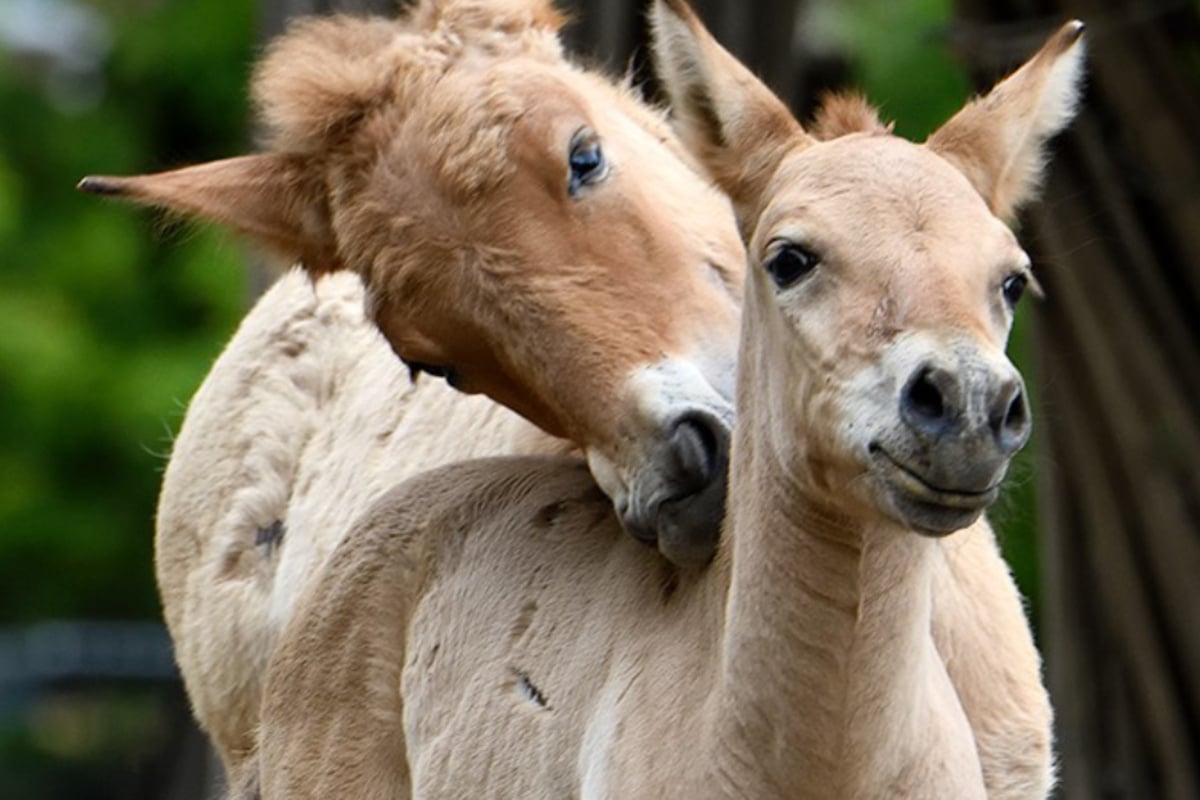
(586, 160)
(790, 263)
(1013, 288)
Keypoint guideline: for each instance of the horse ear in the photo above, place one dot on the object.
(273, 198)
(999, 140)
(730, 121)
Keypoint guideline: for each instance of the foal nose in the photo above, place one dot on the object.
(938, 402)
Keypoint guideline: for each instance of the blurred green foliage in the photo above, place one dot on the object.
(899, 58)
(106, 325)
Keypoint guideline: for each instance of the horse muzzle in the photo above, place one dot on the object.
(677, 503)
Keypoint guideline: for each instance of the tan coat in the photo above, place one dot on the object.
(304, 421)
(486, 630)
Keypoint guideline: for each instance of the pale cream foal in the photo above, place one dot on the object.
(487, 631)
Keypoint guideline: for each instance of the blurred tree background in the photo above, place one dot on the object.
(109, 318)
(106, 324)
(108, 321)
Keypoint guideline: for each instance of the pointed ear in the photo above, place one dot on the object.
(999, 140)
(274, 198)
(730, 121)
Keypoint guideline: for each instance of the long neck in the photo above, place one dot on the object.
(827, 653)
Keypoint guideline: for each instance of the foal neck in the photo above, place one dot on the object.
(830, 681)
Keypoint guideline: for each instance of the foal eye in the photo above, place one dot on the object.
(790, 263)
(1013, 288)
(586, 160)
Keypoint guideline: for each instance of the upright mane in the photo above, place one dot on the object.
(843, 113)
(328, 80)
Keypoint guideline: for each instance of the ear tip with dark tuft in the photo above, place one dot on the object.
(679, 8)
(99, 184)
(1064, 39)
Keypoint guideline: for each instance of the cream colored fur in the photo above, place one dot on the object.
(307, 418)
(486, 631)
(304, 420)
(411, 669)
(430, 158)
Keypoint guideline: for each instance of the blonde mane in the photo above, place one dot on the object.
(329, 81)
(844, 113)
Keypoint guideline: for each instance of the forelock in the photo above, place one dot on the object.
(470, 166)
(318, 82)
(321, 78)
(843, 113)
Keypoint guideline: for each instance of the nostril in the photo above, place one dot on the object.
(924, 397)
(697, 444)
(1017, 415)
(925, 405)
(1012, 426)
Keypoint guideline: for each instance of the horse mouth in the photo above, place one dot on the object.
(930, 509)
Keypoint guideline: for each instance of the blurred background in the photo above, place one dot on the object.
(109, 318)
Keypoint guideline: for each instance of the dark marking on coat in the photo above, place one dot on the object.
(524, 620)
(670, 584)
(528, 691)
(549, 514)
(270, 536)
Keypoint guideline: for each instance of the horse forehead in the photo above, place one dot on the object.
(899, 185)
(469, 132)
(877, 203)
(912, 241)
(553, 107)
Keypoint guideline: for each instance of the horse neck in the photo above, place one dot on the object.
(827, 643)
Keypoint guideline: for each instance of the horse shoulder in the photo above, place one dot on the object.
(333, 690)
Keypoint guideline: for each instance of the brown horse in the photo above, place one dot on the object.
(525, 228)
(486, 630)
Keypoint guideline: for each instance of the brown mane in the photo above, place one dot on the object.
(329, 80)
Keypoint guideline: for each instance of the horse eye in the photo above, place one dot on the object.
(415, 368)
(1013, 288)
(586, 160)
(791, 263)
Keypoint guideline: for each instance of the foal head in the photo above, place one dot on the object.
(525, 229)
(883, 277)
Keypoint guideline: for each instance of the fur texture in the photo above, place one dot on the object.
(430, 157)
(485, 630)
